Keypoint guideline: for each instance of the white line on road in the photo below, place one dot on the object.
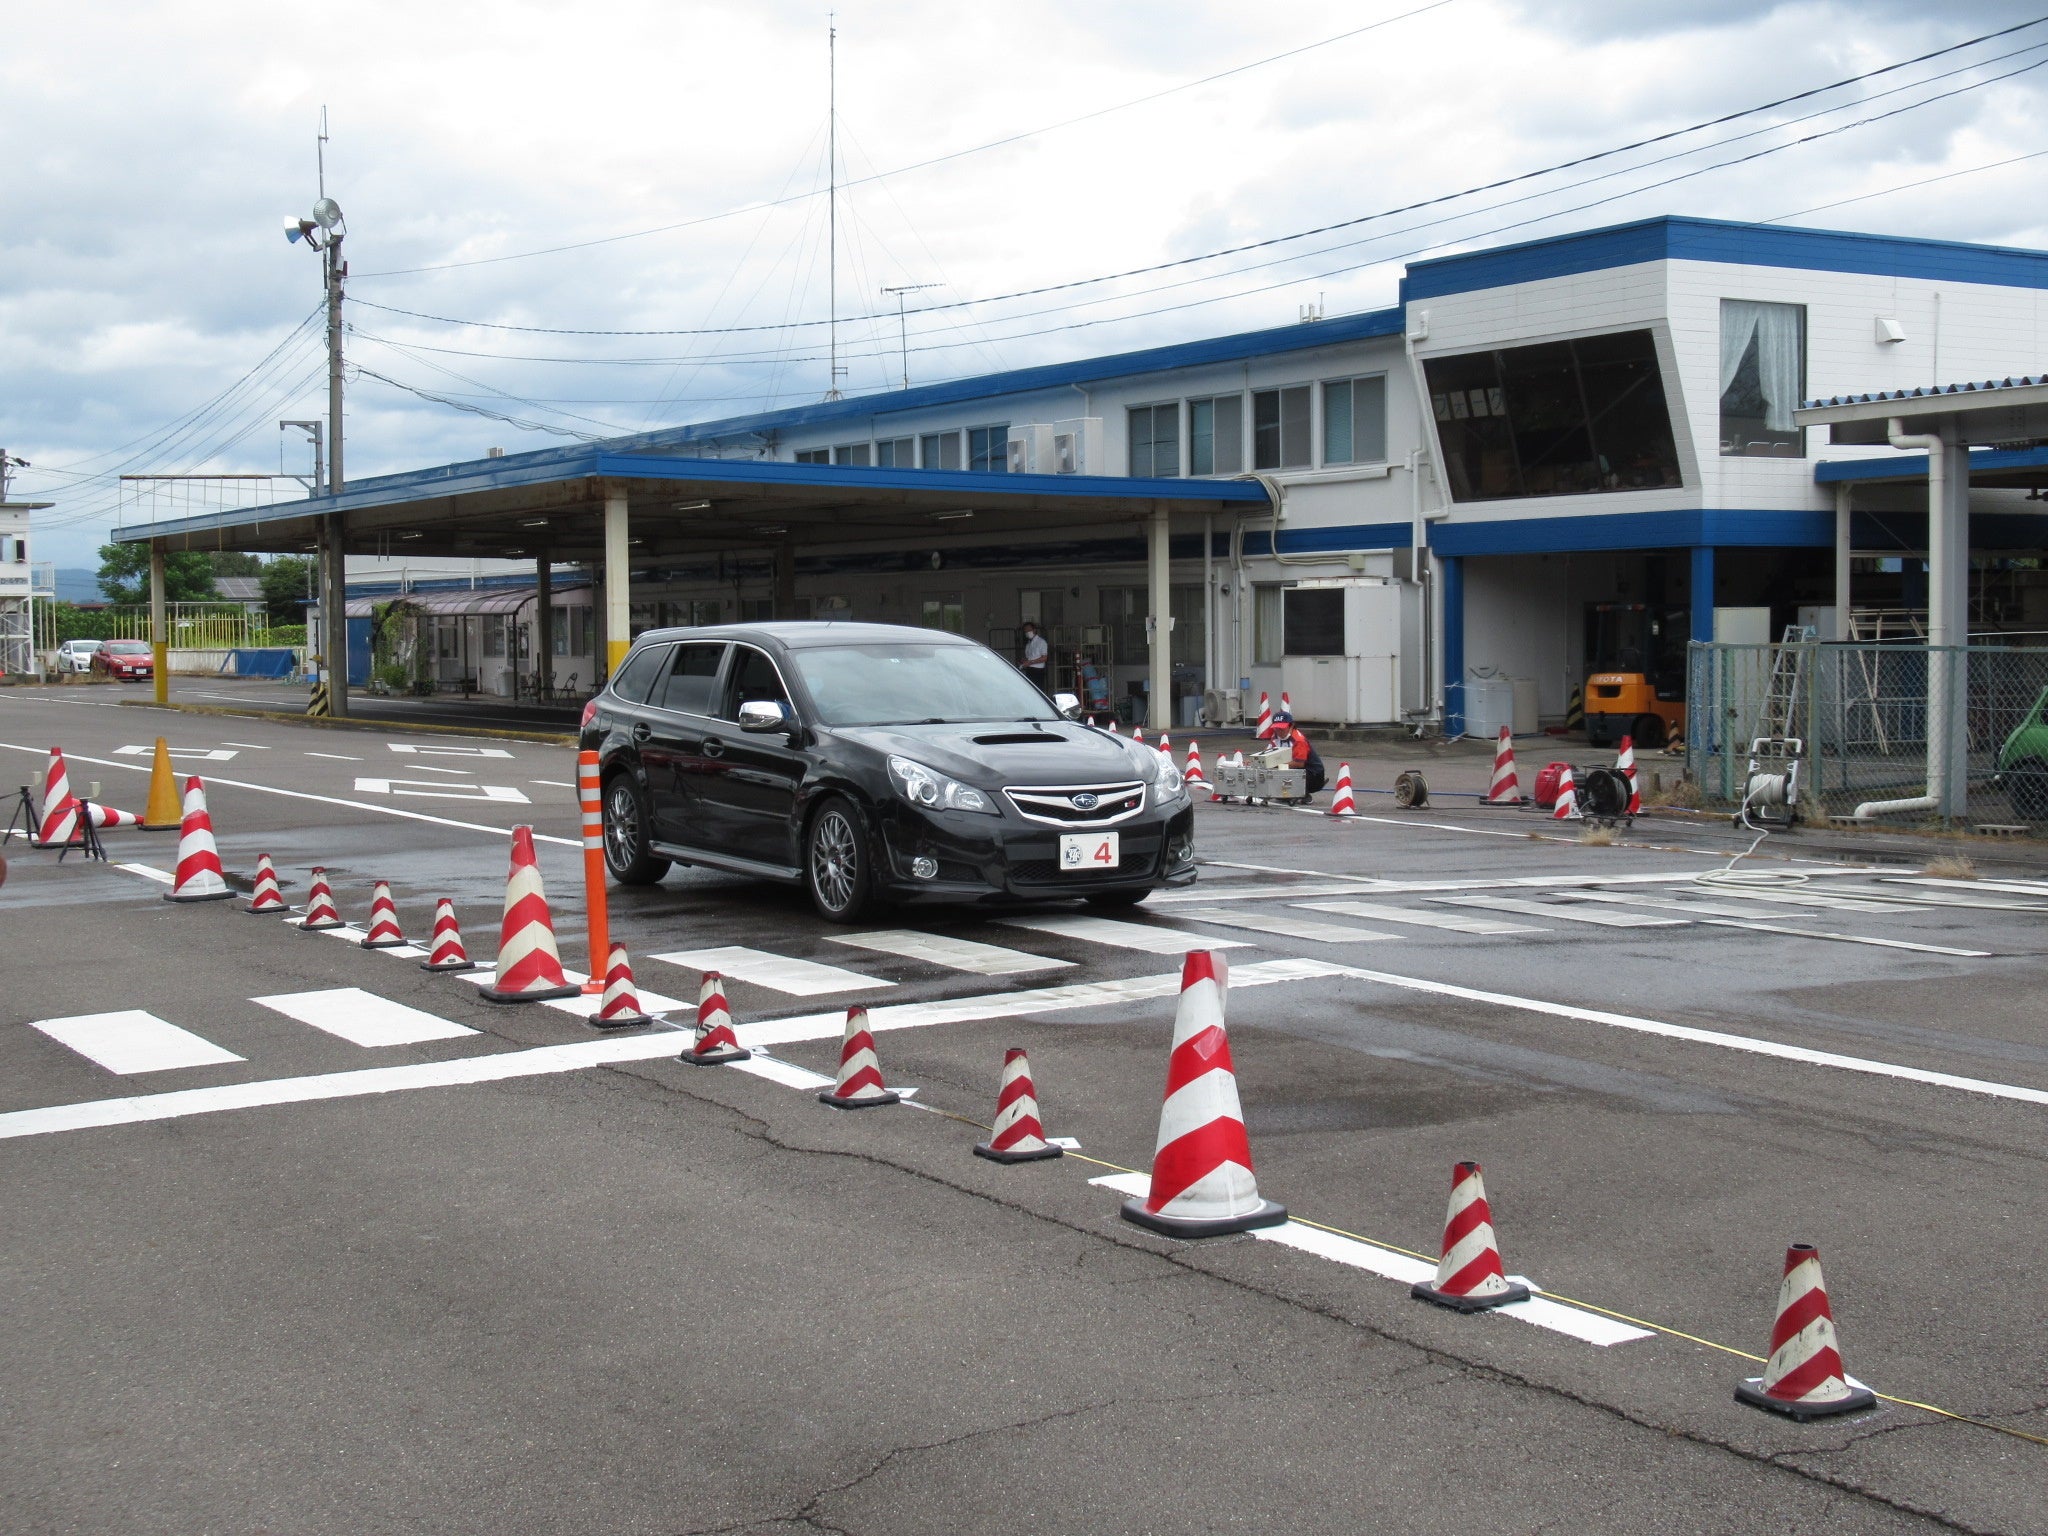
(1283, 924)
(779, 973)
(1713, 915)
(439, 789)
(363, 1018)
(1104, 930)
(1402, 821)
(148, 872)
(786, 1073)
(944, 949)
(444, 751)
(252, 746)
(133, 1041)
(550, 1059)
(208, 754)
(1455, 922)
(1530, 908)
(460, 773)
(339, 757)
(551, 783)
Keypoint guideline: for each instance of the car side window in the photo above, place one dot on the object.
(640, 672)
(692, 682)
(753, 679)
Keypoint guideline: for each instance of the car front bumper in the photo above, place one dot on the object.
(986, 860)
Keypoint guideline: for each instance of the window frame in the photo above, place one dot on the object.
(728, 709)
(993, 456)
(1349, 383)
(1236, 437)
(1778, 445)
(717, 678)
(813, 456)
(1282, 423)
(950, 437)
(1150, 413)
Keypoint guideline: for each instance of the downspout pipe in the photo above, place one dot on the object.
(1938, 622)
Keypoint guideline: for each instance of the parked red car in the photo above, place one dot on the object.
(126, 661)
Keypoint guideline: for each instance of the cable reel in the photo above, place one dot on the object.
(1410, 792)
(1770, 789)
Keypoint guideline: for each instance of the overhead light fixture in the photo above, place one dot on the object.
(771, 530)
(636, 543)
(413, 533)
(951, 517)
(533, 522)
(693, 506)
(515, 551)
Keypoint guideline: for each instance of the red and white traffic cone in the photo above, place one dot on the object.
(1113, 727)
(529, 965)
(859, 1085)
(199, 875)
(266, 898)
(1166, 743)
(716, 1043)
(444, 950)
(621, 1006)
(1804, 1377)
(1017, 1136)
(1138, 735)
(1343, 803)
(1506, 788)
(1193, 774)
(59, 820)
(1469, 1278)
(383, 932)
(1265, 722)
(1567, 799)
(106, 816)
(1625, 765)
(1202, 1181)
(320, 909)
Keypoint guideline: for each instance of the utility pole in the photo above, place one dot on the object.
(902, 325)
(832, 197)
(336, 270)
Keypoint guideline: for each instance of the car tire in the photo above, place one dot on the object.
(2026, 786)
(838, 869)
(626, 824)
(1117, 898)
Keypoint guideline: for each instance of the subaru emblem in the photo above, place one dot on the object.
(1086, 802)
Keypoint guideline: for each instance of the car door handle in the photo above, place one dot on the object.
(713, 747)
(642, 730)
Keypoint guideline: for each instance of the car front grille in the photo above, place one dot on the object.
(1137, 856)
(1078, 805)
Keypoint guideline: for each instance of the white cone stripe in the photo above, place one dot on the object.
(1469, 1247)
(1017, 1110)
(1212, 1096)
(851, 1066)
(535, 935)
(1200, 1008)
(1802, 1347)
(1226, 1190)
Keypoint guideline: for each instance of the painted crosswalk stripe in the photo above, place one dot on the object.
(778, 973)
(363, 1018)
(1285, 925)
(2013, 887)
(1456, 922)
(1690, 905)
(953, 953)
(1564, 913)
(1104, 930)
(149, 872)
(133, 1041)
(1903, 900)
(1817, 900)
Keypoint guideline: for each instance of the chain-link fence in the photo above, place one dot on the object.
(1862, 712)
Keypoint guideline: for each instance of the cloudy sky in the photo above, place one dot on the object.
(622, 166)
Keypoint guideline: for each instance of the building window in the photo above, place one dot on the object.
(1216, 435)
(1763, 378)
(1355, 420)
(941, 450)
(1189, 646)
(1123, 615)
(851, 453)
(897, 453)
(1155, 441)
(756, 610)
(1266, 636)
(1280, 428)
(814, 455)
(988, 449)
(1566, 418)
(946, 612)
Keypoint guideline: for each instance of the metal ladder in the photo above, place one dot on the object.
(1788, 677)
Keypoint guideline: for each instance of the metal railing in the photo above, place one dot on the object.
(1862, 710)
(189, 626)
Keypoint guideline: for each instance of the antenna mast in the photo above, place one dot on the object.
(832, 195)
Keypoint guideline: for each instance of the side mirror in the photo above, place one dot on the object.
(759, 716)
(1068, 704)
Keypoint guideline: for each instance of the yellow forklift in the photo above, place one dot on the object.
(1635, 673)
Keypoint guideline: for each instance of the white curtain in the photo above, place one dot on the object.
(1775, 328)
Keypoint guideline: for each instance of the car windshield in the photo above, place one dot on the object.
(127, 648)
(899, 683)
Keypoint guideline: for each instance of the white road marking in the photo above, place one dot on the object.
(1530, 908)
(551, 783)
(944, 949)
(1104, 930)
(778, 973)
(1206, 894)
(363, 1018)
(149, 872)
(1455, 922)
(1283, 924)
(550, 1059)
(338, 757)
(787, 1073)
(435, 789)
(460, 773)
(2015, 887)
(133, 1041)
(250, 745)
(207, 754)
(1818, 901)
(438, 751)
(1404, 1270)
(1402, 821)
(1900, 900)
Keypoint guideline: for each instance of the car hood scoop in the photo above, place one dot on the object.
(988, 755)
(1021, 739)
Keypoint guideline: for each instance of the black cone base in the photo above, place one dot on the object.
(537, 995)
(449, 966)
(202, 896)
(321, 927)
(1422, 1290)
(1269, 1214)
(280, 910)
(872, 1101)
(399, 943)
(1029, 1155)
(717, 1058)
(1752, 1392)
(621, 1021)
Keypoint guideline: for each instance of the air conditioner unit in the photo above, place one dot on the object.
(1072, 447)
(1222, 706)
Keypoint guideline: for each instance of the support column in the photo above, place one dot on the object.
(1703, 593)
(1948, 628)
(1158, 549)
(334, 613)
(784, 605)
(159, 624)
(618, 583)
(544, 620)
(1844, 521)
(1452, 597)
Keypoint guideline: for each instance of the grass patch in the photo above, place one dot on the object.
(1682, 794)
(1951, 866)
(1597, 837)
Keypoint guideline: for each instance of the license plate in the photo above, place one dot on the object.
(1081, 852)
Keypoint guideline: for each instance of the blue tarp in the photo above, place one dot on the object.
(266, 661)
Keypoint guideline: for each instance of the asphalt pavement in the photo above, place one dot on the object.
(303, 1238)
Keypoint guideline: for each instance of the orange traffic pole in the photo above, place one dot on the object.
(592, 797)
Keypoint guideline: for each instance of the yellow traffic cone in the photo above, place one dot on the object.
(165, 812)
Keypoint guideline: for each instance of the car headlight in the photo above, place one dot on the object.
(934, 791)
(1159, 770)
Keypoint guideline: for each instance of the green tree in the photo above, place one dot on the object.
(286, 582)
(124, 574)
(232, 562)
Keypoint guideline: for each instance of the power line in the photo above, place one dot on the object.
(1905, 186)
(919, 165)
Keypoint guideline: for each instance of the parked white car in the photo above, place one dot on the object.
(77, 655)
